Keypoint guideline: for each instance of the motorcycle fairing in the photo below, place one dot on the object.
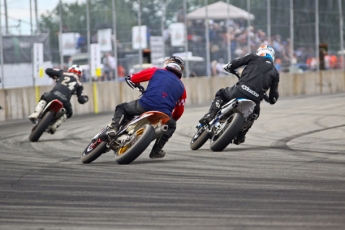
(245, 106)
(155, 118)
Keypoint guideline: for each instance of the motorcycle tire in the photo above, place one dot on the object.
(229, 132)
(199, 139)
(43, 124)
(139, 143)
(93, 151)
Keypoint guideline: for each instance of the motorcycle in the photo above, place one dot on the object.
(132, 138)
(52, 111)
(235, 116)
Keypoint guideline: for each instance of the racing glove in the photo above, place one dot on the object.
(228, 68)
(270, 100)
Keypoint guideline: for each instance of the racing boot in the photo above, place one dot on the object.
(113, 127)
(208, 117)
(39, 108)
(157, 149)
(111, 133)
(57, 123)
(241, 136)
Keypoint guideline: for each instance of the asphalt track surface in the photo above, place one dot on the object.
(289, 174)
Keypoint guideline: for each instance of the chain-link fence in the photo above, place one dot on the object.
(112, 39)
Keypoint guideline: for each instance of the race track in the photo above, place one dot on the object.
(289, 174)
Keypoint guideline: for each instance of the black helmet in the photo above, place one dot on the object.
(174, 64)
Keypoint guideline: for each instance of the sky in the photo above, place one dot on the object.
(20, 9)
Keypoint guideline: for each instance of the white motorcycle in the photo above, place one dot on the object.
(235, 116)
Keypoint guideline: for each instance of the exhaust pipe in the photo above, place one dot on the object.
(160, 130)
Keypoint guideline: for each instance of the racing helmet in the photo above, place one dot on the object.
(266, 51)
(174, 64)
(75, 69)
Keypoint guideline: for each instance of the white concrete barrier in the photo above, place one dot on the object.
(18, 103)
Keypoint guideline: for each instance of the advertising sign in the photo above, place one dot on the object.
(68, 42)
(177, 34)
(104, 39)
(139, 38)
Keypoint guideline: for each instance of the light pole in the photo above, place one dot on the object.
(1, 55)
(61, 31)
(115, 37)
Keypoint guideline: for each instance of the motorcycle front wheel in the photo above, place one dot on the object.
(137, 144)
(39, 128)
(199, 138)
(228, 131)
(94, 150)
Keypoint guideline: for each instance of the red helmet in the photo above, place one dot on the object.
(75, 69)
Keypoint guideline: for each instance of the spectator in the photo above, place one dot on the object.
(109, 66)
(121, 72)
(112, 64)
(81, 44)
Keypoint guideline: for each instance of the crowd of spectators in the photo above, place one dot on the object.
(220, 32)
(236, 31)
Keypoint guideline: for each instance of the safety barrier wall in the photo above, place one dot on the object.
(18, 103)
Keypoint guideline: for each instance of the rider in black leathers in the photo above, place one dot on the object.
(257, 77)
(67, 84)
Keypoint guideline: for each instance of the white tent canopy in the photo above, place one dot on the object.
(219, 10)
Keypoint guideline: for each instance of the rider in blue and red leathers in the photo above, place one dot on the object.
(165, 92)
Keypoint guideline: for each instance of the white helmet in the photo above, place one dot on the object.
(175, 64)
(266, 51)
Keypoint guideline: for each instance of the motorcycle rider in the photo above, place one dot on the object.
(67, 84)
(165, 92)
(257, 77)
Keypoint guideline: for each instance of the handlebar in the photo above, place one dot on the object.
(225, 67)
(133, 85)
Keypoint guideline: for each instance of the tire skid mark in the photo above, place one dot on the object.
(282, 143)
(40, 169)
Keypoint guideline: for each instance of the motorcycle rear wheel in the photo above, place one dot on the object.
(43, 124)
(140, 141)
(199, 138)
(228, 133)
(93, 151)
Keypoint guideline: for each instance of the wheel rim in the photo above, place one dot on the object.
(221, 130)
(92, 146)
(130, 143)
(197, 134)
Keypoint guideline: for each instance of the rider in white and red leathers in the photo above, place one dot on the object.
(67, 84)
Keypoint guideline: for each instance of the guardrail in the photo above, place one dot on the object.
(18, 103)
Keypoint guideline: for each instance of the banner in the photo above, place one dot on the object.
(38, 70)
(18, 48)
(68, 42)
(104, 39)
(139, 37)
(157, 50)
(177, 32)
